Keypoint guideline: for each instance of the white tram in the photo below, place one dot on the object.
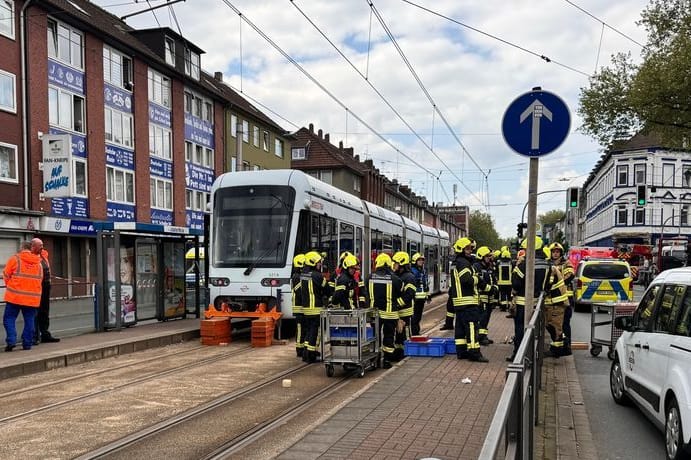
(261, 219)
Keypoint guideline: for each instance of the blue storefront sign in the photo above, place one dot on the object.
(198, 177)
(65, 77)
(78, 142)
(120, 157)
(69, 207)
(117, 98)
(159, 115)
(82, 227)
(161, 168)
(161, 217)
(119, 212)
(199, 131)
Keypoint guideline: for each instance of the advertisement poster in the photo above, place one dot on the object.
(127, 299)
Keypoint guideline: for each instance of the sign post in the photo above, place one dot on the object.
(535, 124)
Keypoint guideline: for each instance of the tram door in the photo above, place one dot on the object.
(147, 274)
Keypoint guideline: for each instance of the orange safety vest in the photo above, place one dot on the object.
(23, 276)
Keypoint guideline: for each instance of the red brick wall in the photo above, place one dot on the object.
(95, 123)
(178, 123)
(141, 141)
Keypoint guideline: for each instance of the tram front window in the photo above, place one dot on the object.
(251, 226)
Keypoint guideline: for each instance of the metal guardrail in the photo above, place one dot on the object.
(510, 434)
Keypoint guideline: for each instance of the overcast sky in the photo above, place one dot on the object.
(471, 75)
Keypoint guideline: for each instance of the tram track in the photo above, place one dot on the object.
(120, 385)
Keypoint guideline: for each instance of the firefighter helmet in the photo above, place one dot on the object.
(538, 243)
(343, 255)
(312, 258)
(417, 256)
(506, 254)
(299, 261)
(496, 253)
(547, 252)
(401, 258)
(461, 244)
(483, 251)
(383, 260)
(557, 246)
(350, 261)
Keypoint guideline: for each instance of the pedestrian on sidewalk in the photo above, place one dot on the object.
(23, 275)
(422, 291)
(41, 332)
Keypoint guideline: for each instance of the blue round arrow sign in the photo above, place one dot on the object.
(536, 123)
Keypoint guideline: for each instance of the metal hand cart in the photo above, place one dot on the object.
(350, 338)
(613, 310)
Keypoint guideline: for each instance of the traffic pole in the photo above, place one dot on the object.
(530, 247)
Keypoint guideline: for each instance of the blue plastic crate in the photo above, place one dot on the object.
(430, 348)
(449, 344)
(370, 333)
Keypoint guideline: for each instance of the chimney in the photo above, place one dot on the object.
(320, 133)
(340, 145)
(218, 76)
(348, 151)
(326, 137)
(311, 128)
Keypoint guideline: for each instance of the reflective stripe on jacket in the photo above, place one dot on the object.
(421, 282)
(464, 283)
(407, 295)
(384, 293)
(23, 277)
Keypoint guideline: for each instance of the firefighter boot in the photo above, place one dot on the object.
(477, 357)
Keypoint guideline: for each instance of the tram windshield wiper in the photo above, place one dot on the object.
(249, 269)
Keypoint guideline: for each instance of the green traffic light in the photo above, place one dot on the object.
(574, 204)
(641, 202)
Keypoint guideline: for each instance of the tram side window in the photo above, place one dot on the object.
(358, 243)
(397, 243)
(387, 243)
(346, 240)
(323, 238)
(377, 245)
(302, 241)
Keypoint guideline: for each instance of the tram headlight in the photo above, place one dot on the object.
(219, 282)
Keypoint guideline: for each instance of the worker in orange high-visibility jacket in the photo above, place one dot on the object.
(23, 276)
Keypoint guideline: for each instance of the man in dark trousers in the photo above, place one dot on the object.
(384, 293)
(465, 284)
(422, 291)
(41, 332)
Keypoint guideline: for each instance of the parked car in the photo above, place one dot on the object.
(652, 362)
(602, 281)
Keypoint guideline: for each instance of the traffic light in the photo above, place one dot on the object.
(573, 197)
(519, 229)
(641, 195)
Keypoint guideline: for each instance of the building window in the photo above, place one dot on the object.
(8, 163)
(119, 128)
(170, 51)
(65, 44)
(255, 136)
(278, 148)
(80, 177)
(298, 153)
(686, 175)
(245, 165)
(246, 131)
(639, 216)
(161, 193)
(265, 141)
(209, 158)
(357, 184)
(160, 142)
(199, 155)
(668, 175)
(66, 110)
(233, 164)
(120, 185)
(324, 176)
(639, 174)
(8, 98)
(234, 125)
(192, 64)
(622, 215)
(622, 175)
(7, 18)
(189, 101)
(685, 215)
(159, 88)
(117, 68)
(208, 111)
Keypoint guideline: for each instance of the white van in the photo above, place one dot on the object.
(652, 364)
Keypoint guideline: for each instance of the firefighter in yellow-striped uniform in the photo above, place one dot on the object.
(401, 266)
(555, 303)
(314, 289)
(346, 285)
(567, 272)
(422, 291)
(504, 269)
(298, 267)
(484, 268)
(463, 293)
(544, 276)
(384, 289)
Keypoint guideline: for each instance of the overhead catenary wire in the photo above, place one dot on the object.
(318, 83)
(604, 24)
(382, 97)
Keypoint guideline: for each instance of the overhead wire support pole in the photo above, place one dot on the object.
(168, 3)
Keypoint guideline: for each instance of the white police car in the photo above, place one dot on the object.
(652, 366)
